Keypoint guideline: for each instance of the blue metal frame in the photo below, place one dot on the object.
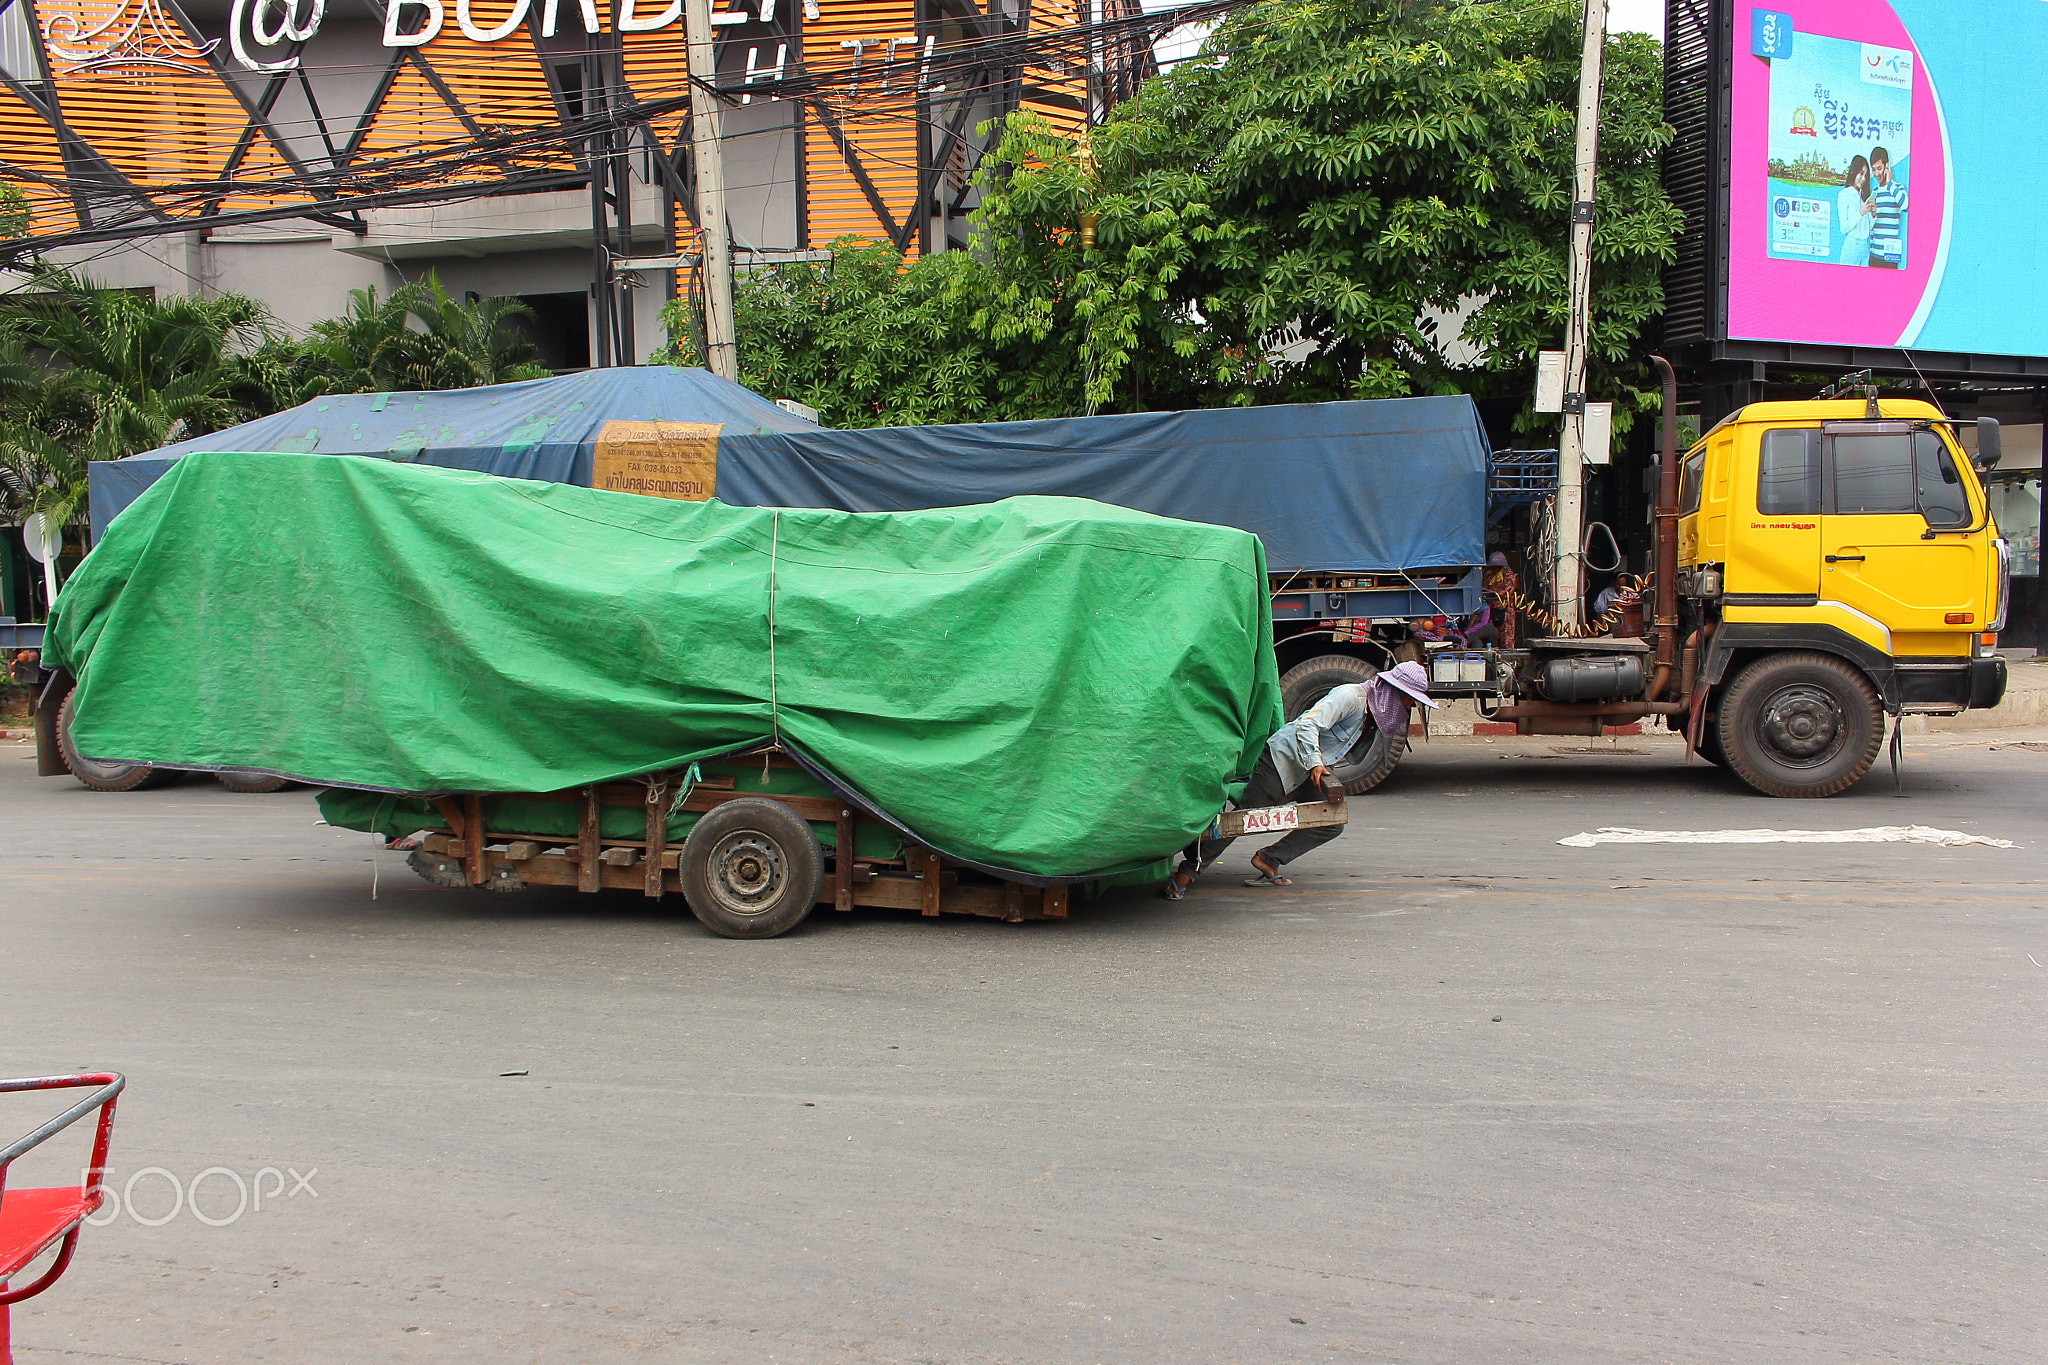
(1516, 478)
(1403, 603)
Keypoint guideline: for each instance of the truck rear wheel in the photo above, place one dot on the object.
(103, 777)
(1374, 755)
(1801, 724)
(249, 782)
(751, 868)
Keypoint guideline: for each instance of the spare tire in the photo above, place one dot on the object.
(100, 776)
(1374, 755)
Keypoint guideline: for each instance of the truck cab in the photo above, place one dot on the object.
(1837, 562)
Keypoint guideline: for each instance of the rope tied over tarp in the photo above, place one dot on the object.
(774, 703)
(692, 775)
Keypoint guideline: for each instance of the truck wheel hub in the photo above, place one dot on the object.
(1802, 724)
(747, 872)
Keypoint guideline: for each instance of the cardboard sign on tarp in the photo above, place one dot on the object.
(550, 429)
(1048, 686)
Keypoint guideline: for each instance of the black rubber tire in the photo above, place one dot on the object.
(1801, 724)
(249, 782)
(1375, 755)
(751, 869)
(103, 777)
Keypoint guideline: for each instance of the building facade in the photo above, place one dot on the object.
(294, 150)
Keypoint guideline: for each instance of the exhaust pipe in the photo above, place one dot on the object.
(1666, 621)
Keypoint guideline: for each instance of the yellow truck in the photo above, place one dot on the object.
(1819, 566)
(1837, 561)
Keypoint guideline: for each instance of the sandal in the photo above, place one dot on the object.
(1174, 890)
(1266, 878)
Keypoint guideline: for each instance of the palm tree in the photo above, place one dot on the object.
(90, 373)
(417, 338)
(149, 371)
(473, 342)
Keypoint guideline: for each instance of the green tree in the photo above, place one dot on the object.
(14, 212)
(870, 342)
(91, 373)
(1319, 211)
(418, 337)
(129, 372)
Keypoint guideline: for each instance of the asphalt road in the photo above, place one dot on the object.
(1460, 1094)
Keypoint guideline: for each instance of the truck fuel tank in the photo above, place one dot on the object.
(1580, 677)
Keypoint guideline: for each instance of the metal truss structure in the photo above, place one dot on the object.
(129, 118)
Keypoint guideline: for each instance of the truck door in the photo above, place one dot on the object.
(1774, 554)
(1886, 485)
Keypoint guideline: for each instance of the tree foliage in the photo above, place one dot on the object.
(1345, 201)
(92, 373)
(419, 337)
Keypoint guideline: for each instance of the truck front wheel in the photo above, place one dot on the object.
(1801, 724)
(103, 777)
(751, 868)
(1374, 755)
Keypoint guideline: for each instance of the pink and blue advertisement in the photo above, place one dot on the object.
(1886, 181)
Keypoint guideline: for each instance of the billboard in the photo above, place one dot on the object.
(1882, 184)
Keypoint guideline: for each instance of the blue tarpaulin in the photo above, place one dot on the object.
(1350, 487)
(541, 429)
(1346, 487)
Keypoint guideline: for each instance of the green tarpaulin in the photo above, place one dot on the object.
(1049, 686)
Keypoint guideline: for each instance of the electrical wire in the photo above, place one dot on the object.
(508, 158)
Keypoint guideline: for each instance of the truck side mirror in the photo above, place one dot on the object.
(1989, 444)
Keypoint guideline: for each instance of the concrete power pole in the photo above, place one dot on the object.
(1566, 582)
(714, 243)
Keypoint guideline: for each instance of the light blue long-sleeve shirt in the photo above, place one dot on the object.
(1326, 731)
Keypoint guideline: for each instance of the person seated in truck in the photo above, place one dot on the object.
(1478, 628)
(1297, 762)
(1501, 588)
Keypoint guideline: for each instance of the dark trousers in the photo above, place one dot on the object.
(1264, 790)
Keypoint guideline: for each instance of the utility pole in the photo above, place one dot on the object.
(715, 245)
(1565, 576)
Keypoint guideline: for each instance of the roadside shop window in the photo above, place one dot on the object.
(2016, 507)
(1788, 474)
(1874, 474)
(1942, 500)
(1691, 475)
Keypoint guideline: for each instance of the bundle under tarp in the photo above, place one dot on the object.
(1048, 686)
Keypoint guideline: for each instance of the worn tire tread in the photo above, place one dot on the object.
(1766, 673)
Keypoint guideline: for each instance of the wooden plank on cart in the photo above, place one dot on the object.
(589, 841)
(932, 880)
(842, 861)
(1053, 902)
(1279, 819)
(657, 836)
(473, 834)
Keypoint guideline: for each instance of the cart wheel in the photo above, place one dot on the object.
(103, 777)
(249, 782)
(751, 869)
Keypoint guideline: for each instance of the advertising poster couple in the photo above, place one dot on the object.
(1840, 137)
